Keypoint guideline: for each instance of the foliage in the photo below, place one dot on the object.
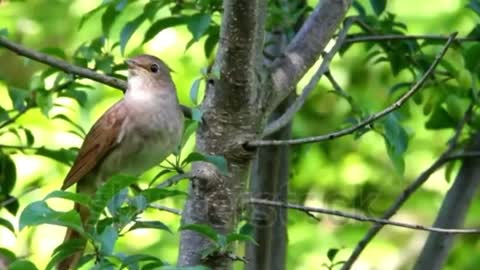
(378, 72)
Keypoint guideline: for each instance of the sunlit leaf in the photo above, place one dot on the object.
(198, 24)
(64, 250)
(378, 6)
(150, 225)
(18, 96)
(134, 260)
(194, 91)
(202, 229)
(162, 24)
(107, 240)
(22, 265)
(5, 223)
(38, 213)
(106, 192)
(71, 196)
(62, 155)
(219, 161)
(128, 30)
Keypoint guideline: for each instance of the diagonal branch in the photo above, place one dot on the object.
(416, 87)
(445, 157)
(70, 68)
(298, 103)
(306, 47)
(366, 38)
(330, 212)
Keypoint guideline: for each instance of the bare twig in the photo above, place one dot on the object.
(71, 69)
(417, 86)
(62, 65)
(361, 218)
(365, 38)
(166, 209)
(298, 103)
(410, 189)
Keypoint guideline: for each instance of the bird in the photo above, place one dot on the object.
(132, 136)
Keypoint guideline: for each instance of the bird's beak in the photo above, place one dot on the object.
(132, 64)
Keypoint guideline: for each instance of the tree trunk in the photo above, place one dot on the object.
(452, 213)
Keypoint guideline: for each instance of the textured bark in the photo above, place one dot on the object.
(452, 213)
(231, 115)
(269, 180)
(235, 109)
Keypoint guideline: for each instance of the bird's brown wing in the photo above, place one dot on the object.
(101, 139)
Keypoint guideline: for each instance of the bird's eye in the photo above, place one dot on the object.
(154, 68)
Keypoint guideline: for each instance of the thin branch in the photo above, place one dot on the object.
(175, 179)
(366, 38)
(360, 217)
(417, 86)
(305, 48)
(298, 103)
(446, 156)
(166, 209)
(62, 65)
(71, 69)
(15, 117)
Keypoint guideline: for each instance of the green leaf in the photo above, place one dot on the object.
(117, 201)
(68, 120)
(202, 229)
(3, 115)
(22, 265)
(359, 8)
(80, 198)
(232, 237)
(5, 223)
(219, 161)
(470, 55)
(190, 127)
(79, 96)
(378, 6)
(29, 136)
(198, 25)
(107, 240)
(106, 192)
(44, 101)
(332, 253)
(475, 6)
(129, 29)
(104, 64)
(211, 41)
(90, 14)
(150, 225)
(396, 140)
(162, 24)
(194, 91)
(62, 155)
(18, 97)
(38, 213)
(108, 18)
(133, 260)
(12, 205)
(197, 115)
(156, 194)
(440, 119)
(7, 255)
(64, 250)
(3, 32)
(8, 174)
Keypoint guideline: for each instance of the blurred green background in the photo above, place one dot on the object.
(348, 174)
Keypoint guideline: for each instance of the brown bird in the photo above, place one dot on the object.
(134, 135)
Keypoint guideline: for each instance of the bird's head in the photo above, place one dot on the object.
(147, 73)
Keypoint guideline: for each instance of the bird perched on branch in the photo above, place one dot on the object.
(135, 134)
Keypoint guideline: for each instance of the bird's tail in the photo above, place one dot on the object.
(71, 261)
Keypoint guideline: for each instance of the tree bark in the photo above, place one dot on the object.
(232, 115)
(453, 211)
